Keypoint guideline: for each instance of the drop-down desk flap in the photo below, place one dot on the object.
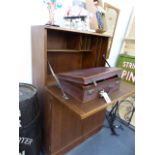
(89, 108)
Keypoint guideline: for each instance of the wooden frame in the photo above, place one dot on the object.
(112, 14)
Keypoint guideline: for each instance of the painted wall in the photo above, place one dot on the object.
(125, 12)
(35, 13)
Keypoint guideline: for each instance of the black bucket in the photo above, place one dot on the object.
(29, 125)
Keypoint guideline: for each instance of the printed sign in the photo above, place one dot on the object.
(127, 63)
(25, 140)
(127, 72)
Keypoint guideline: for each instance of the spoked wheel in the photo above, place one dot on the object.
(126, 109)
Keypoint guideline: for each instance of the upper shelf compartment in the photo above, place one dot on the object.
(62, 41)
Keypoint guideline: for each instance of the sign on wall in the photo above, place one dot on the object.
(127, 63)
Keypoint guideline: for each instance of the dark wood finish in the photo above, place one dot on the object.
(60, 46)
(74, 31)
(47, 129)
(73, 122)
(90, 108)
(66, 122)
(89, 92)
(39, 58)
(68, 129)
(87, 76)
(80, 83)
(67, 50)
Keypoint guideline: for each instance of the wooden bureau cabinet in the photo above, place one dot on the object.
(70, 122)
(67, 123)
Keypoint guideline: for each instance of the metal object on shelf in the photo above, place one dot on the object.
(58, 82)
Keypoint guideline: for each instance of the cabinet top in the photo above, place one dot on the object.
(72, 30)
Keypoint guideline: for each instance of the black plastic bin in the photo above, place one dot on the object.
(29, 120)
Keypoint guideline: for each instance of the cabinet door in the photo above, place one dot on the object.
(93, 123)
(66, 127)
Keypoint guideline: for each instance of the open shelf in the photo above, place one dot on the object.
(67, 50)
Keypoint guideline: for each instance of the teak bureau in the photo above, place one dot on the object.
(67, 123)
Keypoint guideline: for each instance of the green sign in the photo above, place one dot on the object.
(127, 63)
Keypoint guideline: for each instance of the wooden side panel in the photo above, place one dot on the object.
(39, 57)
(72, 127)
(66, 126)
(47, 122)
(57, 110)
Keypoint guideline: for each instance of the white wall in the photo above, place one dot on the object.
(35, 13)
(125, 12)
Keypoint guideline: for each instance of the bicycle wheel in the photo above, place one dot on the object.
(125, 110)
